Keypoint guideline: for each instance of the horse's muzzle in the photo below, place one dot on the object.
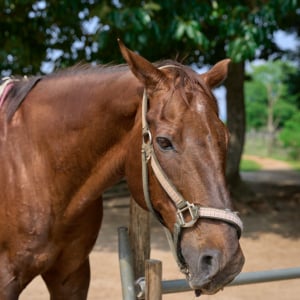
(209, 272)
(213, 281)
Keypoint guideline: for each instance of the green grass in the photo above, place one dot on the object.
(248, 165)
(295, 165)
(257, 146)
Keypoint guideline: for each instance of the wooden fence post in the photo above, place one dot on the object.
(153, 279)
(139, 234)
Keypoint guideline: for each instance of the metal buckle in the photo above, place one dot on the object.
(193, 213)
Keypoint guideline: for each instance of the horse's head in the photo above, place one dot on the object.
(185, 144)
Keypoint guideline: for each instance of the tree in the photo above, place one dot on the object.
(290, 135)
(268, 91)
(256, 113)
(293, 83)
(273, 103)
(36, 32)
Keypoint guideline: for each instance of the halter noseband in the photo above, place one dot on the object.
(185, 209)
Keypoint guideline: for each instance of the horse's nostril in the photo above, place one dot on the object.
(209, 263)
(207, 260)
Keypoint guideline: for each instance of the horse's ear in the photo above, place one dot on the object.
(217, 74)
(144, 70)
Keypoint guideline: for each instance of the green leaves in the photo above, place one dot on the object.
(290, 136)
(197, 30)
(190, 30)
(245, 43)
(267, 93)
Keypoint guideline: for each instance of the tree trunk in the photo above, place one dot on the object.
(236, 122)
(271, 127)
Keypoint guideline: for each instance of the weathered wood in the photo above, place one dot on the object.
(139, 232)
(153, 277)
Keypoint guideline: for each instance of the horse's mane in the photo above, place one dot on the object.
(22, 86)
(85, 68)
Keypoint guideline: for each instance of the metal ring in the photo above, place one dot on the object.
(147, 137)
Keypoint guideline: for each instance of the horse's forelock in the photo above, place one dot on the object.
(186, 81)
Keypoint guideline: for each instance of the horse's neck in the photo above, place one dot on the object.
(104, 111)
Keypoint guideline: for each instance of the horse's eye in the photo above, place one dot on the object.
(164, 143)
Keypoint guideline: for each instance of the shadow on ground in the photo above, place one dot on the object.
(275, 208)
(276, 204)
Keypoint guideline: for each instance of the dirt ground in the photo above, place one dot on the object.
(271, 241)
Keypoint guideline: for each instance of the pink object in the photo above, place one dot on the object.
(5, 90)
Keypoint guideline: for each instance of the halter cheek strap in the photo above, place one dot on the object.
(187, 214)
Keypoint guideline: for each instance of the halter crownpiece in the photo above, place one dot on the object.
(187, 213)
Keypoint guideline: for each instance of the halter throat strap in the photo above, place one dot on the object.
(187, 214)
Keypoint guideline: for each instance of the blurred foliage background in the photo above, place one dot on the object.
(41, 36)
(65, 32)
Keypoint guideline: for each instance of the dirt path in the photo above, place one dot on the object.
(271, 241)
(268, 163)
(274, 174)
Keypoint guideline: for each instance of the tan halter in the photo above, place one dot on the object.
(184, 208)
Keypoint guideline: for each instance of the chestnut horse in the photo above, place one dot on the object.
(66, 137)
